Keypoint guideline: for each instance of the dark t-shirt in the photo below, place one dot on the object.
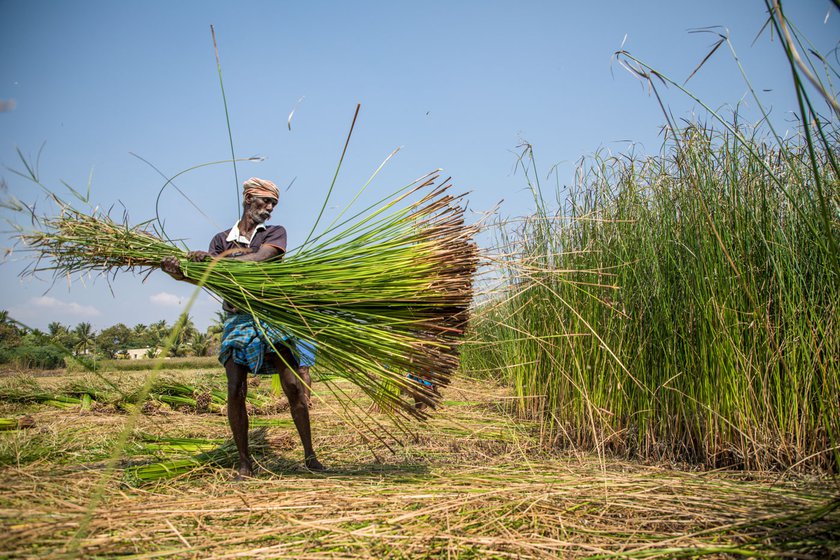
(270, 235)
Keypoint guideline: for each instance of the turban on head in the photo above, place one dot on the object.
(260, 187)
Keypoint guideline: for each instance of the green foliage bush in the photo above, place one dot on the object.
(27, 356)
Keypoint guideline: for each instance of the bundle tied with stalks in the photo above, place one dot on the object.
(383, 293)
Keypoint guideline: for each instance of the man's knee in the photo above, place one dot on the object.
(237, 380)
(237, 391)
(291, 386)
(305, 376)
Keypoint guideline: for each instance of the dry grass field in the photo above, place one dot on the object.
(472, 482)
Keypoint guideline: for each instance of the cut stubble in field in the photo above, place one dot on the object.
(473, 483)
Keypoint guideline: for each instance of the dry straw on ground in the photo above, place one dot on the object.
(473, 483)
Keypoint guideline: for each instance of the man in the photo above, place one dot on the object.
(247, 346)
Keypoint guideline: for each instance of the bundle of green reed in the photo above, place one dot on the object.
(58, 400)
(383, 293)
(197, 454)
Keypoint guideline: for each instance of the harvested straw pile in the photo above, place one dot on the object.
(384, 293)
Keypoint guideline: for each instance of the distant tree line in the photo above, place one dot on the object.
(24, 347)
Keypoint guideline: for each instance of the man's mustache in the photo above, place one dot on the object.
(263, 216)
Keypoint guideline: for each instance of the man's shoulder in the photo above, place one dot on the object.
(271, 235)
(273, 232)
(219, 242)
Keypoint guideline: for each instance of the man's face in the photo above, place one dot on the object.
(260, 207)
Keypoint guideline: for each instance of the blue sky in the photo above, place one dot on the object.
(458, 85)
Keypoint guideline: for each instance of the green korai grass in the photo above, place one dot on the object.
(680, 307)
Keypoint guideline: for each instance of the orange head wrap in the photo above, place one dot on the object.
(260, 187)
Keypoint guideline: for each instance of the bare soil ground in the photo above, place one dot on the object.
(472, 482)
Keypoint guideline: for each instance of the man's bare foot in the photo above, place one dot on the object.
(245, 471)
(314, 465)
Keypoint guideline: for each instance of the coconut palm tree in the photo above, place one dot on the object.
(214, 331)
(178, 348)
(9, 332)
(218, 324)
(187, 329)
(55, 328)
(200, 343)
(6, 319)
(85, 337)
(140, 335)
(60, 335)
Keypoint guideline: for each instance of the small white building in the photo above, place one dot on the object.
(140, 353)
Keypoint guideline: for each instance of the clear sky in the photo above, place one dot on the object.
(458, 84)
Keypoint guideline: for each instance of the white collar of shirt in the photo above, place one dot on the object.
(235, 234)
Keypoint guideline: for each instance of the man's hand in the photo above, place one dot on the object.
(172, 266)
(199, 256)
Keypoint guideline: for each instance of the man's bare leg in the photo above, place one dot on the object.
(237, 378)
(299, 409)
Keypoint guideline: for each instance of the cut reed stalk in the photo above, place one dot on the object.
(205, 453)
(383, 294)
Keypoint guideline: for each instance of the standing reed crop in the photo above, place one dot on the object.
(681, 307)
(685, 306)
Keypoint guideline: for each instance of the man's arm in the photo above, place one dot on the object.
(264, 253)
(172, 266)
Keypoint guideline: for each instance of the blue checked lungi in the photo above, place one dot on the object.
(306, 352)
(422, 381)
(248, 344)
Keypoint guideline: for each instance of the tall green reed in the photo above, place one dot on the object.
(684, 306)
(680, 307)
